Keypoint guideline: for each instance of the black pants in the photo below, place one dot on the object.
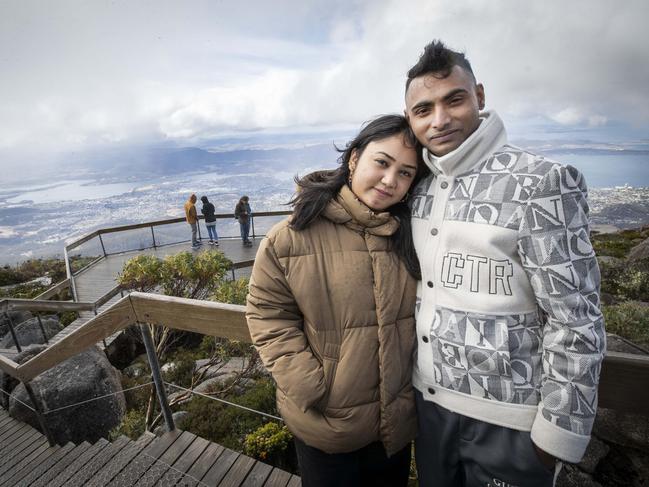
(368, 466)
(453, 450)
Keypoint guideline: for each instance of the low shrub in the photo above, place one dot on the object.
(269, 443)
(629, 320)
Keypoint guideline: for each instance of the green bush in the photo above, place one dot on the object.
(633, 282)
(270, 441)
(629, 320)
(620, 243)
(31, 269)
(233, 292)
(132, 426)
(182, 370)
(228, 425)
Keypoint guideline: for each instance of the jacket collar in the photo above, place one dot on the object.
(347, 209)
(488, 137)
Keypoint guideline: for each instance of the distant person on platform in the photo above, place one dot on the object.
(210, 221)
(243, 213)
(192, 219)
(510, 333)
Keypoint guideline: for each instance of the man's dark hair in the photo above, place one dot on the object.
(317, 189)
(438, 60)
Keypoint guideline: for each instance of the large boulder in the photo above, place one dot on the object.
(16, 318)
(29, 332)
(640, 251)
(85, 376)
(7, 382)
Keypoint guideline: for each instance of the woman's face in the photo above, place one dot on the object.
(383, 172)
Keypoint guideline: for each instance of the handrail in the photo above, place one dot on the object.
(54, 290)
(168, 221)
(44, 305)
(621, 372)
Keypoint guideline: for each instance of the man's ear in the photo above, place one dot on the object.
(479, 91)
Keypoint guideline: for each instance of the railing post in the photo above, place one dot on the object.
(40, 324)
(38, 410)
(252, 222)
(232, 269)
(198, 226)
(101, 241)
(157, 376)
(13, 332)
(153, 236)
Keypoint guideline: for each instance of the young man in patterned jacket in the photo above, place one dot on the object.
(510, 332)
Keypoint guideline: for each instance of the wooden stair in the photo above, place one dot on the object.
(176, 458)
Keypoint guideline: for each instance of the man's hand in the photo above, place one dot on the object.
(546, 459)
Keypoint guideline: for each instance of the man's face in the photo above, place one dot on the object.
(444, 112)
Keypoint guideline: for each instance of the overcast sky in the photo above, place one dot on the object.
(81, 74)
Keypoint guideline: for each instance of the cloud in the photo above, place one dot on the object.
(94, 73)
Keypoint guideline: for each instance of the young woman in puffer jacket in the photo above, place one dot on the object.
(331, 312)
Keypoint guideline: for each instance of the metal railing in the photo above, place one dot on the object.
(621, 372)
(152, 243)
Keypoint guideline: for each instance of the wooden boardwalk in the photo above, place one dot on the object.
(100, 278)
(175, 458)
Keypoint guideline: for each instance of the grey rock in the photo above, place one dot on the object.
(640, 251)
(7, 382)
(16, 318)
(136, 370)
(623, 429)
(571, 476)
(29, 332)
(178, 416)
(596, 451)
(123, 349)
(85, 376)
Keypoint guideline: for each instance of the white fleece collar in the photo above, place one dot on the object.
(488, 137)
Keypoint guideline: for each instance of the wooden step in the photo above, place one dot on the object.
(141, 463)
(62, 461)
(109, 471)
(86, 472)
(78, 463)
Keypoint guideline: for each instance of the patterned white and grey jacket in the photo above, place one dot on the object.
(509, 325)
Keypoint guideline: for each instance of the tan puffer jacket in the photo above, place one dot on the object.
(330, 311)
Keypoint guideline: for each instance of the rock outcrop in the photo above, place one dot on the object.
(83, 377)
(29, 332)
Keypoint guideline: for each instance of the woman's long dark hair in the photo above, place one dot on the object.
(317, 189)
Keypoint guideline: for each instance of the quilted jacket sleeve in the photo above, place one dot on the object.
(276, 327)
(557, 255)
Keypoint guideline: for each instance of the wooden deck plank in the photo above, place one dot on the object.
(258, 475)
(134, 470)
(13, 436)
(295, 481)
(202, 465)
(220, 468)
(176, 474)
(86, 472)
(43, 468)
(26, 448)
(278, 478)
(33, 462)
(78, 463)
(68, 454)
(238, 472)
(166, 460)
(9, 468)
(19, 441)
(109, 471)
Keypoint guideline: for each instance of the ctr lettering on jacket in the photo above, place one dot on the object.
(475, 273)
